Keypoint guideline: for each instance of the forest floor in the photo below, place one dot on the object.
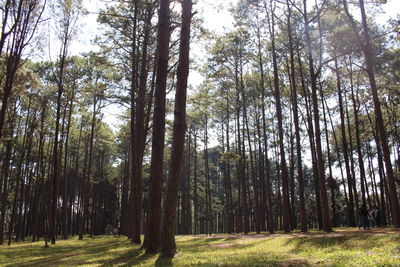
(343, 247)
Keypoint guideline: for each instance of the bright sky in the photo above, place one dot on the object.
(216, 17)
(215, 12)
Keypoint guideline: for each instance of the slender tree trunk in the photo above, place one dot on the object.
(253, 172)
(350, 209)
(139, 139)
(227, 174)
(135, 196)
(300, 179)
(208, 222)
(365, 45)
(320, 161)
(380, 171)
(358, 141)
(337, 154)
(283, 166)
(40, 177)
(261, 172)
(124, 195)
(156, 172)
(241, 200)
(195, 194)
(168, 246)
(5, 172)
(351, 156)
(66, 175)
(328, 151)
(312, 143)
(245, 185)
(87, 177)
(268, 191)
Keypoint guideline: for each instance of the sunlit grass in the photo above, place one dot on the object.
(345, 247)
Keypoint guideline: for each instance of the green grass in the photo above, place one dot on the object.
(344, 247)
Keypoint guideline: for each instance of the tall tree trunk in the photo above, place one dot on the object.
(337, 154)
(65, 172)
(350, 209)
(168, 246)
(268, 191)
(38, 195)
(124, 195)
(139, 139)
(358, 140)
(241, 201)
(227, 174)
(365, 45)
(87, 178)
(255, 184)
(300, 179)
(328, 151)
(19, 23)
(320, 161)
(208, 221)
(245, 184)
(186, 186)
(6, 170)
(351, 156)
(381, 172)
(156, 172)
(135, 196)
(311, 141)
(195, 194)
(283, 166)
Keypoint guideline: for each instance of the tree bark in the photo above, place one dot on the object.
(320, 161)
(156, 172)
(168, 245)
(364, 42)
(300, 179)
(350, 209)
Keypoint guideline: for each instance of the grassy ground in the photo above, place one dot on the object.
(344, 247)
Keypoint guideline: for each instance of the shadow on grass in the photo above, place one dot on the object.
(163, 262)
(194, 242)
(234, 254)
(348, 242)
(69, 253)
(130, 258)
(107, 251)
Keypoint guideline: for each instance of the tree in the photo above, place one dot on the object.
(19, 23)
(283, 166)
(69, 12)
(320, 161)
(364, 43)
(153, 220)
(168, 245)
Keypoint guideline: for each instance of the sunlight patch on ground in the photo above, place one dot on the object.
(344, 247)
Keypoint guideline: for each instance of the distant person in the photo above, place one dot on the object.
(115, 231)
(378, 218)
(374, 216)
(364, 217)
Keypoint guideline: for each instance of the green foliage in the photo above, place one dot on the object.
(229, 156)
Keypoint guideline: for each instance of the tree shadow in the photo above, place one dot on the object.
(163, 262)
(130, 258)
(59, 254)
(200, 241)
(338, 242)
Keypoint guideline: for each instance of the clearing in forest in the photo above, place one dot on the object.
(344, 247)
